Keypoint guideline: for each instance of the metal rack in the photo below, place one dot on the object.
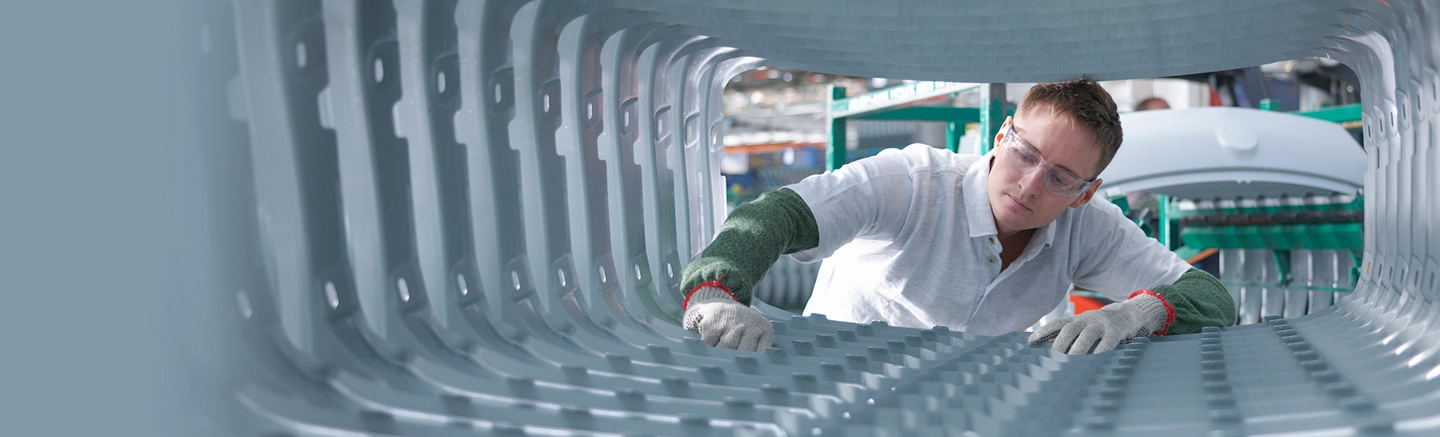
(899, 103)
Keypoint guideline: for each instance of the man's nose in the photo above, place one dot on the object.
(1031, 182)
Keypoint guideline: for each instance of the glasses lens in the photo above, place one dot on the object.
(1060, 182)
(1024, 160)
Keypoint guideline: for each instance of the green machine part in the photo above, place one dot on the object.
(835, 133)
(992, 114)
(1278, 228)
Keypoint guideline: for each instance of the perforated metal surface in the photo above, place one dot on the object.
(462, 217)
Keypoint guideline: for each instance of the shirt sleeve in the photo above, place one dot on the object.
(749, 242)
(869, 198)
(1115, 258)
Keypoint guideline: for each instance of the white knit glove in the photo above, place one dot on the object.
(1143, 314)
(723, 322)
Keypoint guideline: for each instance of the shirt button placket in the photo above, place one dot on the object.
(993, 249)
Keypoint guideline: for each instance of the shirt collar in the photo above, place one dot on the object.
(977, 199)
(977, 203)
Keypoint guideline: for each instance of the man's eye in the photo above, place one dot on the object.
(1026, 157)
(1056, 180)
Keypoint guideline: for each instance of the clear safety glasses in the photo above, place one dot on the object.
(1024, 158)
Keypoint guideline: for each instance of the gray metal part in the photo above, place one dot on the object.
(1219, 152)
(522, 350)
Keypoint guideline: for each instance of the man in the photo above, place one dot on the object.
(921, 237)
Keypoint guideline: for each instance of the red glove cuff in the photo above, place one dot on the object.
(716, 283)
(1169, 310)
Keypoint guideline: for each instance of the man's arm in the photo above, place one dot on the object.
(750, 241)
(1119, 259)
(718, 284)
(1194, 301)
(870, 196)
(1134, 269)
(1199, 300)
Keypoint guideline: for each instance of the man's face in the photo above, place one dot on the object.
(1022, 200)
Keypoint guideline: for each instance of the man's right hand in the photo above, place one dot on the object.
(723, 322)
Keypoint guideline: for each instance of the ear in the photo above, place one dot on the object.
(1000, 136)
(1089, 193)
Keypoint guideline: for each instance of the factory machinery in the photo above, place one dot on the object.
(1276, 195)
(468, 217)
(1287, 258)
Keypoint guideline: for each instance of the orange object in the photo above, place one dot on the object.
(1202, 255)
(1083, 303)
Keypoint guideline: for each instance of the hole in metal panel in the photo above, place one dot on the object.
(593, 108)
(560, 274)
(549, 100)
(440, 82)
(499, 94)
(601, 269)
(379, 70)
(403, 288)
(630, 116)
(515, 278)
(460, 283)
(638, 276)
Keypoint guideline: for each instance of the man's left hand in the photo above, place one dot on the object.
(1142, 315)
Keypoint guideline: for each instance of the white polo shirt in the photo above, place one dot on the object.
(908, 238)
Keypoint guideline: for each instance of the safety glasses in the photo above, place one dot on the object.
(1024, 158)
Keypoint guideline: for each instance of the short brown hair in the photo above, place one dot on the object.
(1087, 104)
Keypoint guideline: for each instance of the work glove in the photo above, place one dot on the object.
(1145, 313)
(723, 322)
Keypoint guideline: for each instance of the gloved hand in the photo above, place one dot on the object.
(1141, 315)
(723, 322)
